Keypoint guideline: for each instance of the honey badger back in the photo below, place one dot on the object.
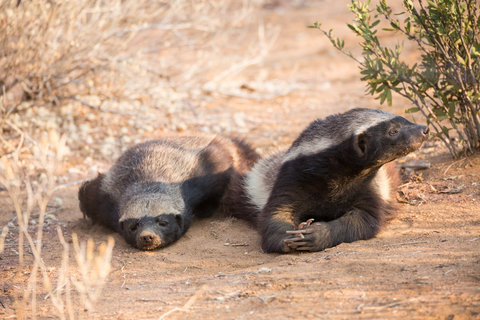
(154, 189)
(332, 174)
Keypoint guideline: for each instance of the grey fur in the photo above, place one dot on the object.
(152, 192)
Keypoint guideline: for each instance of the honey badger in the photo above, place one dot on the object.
(154, 189)
(332, 174)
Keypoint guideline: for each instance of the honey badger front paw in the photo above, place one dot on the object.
(309, 236)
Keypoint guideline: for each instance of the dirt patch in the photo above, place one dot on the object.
(424, 265)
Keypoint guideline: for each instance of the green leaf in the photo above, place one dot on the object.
(394, 25)
(445, 130)
(354, 29)
(383, 96)
(451, 110)
(389, 96)
(461, 60)
(476, 97)
(412, 110)
(440, 114)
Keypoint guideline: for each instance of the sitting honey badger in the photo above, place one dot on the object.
(332, 175)
(153, 191)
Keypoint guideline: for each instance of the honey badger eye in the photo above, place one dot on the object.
(134, 227)
(393, 132)
(161, 223)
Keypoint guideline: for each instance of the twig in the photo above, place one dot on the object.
(264, 299)
(415, 165)
(196, 267)
(14, 127)
(149, 300)
(99, 108)
(36, 215)
(53, 291)
(186, 306)
(389, 305)
(55, 98)
(228, 295)
(124, 276)
(73, 183)
(2, 238)
(404, 243)
(240, 244)
(448, 168)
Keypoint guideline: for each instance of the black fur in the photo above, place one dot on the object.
(153, 232)
(333, 186)
(98, 205)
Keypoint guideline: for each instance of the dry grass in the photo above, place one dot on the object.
(3, 235)
(109, 56)
(101, 53)
(30, 183)
(94, 267)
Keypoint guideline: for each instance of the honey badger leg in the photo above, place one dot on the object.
(275, 228)
(354, 225)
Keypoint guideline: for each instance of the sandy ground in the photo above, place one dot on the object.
(424, 265)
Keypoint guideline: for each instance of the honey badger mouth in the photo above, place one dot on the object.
(148, 240)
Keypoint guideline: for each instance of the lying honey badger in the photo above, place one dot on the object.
(152, 192)
(332, 174)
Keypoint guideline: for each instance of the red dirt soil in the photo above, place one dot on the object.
(424, 265)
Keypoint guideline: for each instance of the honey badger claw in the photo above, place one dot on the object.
(305, 224)
(312, 237)
(299, 232)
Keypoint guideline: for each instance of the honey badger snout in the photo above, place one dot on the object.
(418, 132)
(424, 130)
(148, 239)
(412, 138)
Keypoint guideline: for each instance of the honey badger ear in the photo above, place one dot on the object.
(179, 220)
(360, 143)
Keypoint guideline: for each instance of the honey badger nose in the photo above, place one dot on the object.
(420, 131)
(425, 130)
(148, 240)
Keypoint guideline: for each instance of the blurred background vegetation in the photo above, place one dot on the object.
(62, 61)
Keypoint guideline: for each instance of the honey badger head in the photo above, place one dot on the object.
(365, 138)
(153, 215)
(380, 137)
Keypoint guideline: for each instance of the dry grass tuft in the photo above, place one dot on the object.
(94, 267)
(30, 184)
(68, 61)
(56, 50)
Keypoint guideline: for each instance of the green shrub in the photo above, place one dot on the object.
(444, 85)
